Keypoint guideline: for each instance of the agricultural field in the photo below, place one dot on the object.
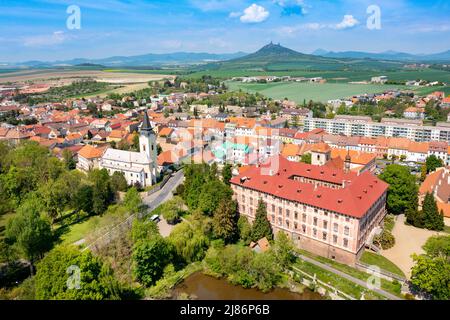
(310, 91)
(340, 75)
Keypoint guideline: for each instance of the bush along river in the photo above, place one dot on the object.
(202, 287)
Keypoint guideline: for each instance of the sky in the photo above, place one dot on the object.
(50, 30)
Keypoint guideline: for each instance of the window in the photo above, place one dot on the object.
(304, 228)
(296, 216)
(325, 224)
(304, 218)
(280, 210)
(287, 213)
(347, 219)
(287, 224)
(315, 221)
(251, 201)
(335, 227)
(273, 219)
(295, 225)
(315, 232)
(335, 238)
(347, 231)
(273, 208)
(324, 236)
(346, 243)
(280, 222)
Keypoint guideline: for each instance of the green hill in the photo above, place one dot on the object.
(274, 57)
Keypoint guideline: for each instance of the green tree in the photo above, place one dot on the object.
(83, 199)
(118, 182)
(283, 250)
(402, 191)
(133, 201)
(432, 218)
(172, 210)
(57, 277)
(190, 242)
(423, 173)
(431, 272)
(28, 232)
(306, 158)
(225, 222)
(227, 174)
(102, 194)
(143, 230)
(414, 217)
(245, 230)
(69, 161)
(261, 226)
(212, 193)
(433, 162)
(149, 259)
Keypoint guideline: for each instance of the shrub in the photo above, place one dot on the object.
(386, 240)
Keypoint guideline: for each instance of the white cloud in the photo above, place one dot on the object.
(255, 14)
(348, 22)
(55, 38)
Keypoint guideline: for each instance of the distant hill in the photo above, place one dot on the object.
(274, 57)
(157, 60)
(388, 55)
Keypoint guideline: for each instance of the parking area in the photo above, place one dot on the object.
(164, 228)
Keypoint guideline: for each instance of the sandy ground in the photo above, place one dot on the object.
(408, 240)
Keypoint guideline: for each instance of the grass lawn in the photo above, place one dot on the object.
(310, 91)
(93, 226)
(378, 260)
(385, 284)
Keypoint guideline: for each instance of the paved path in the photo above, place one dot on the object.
(348, 277)
(408, 240)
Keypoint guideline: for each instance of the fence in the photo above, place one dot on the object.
(159, 186)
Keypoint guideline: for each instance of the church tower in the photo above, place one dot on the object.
(147, 143)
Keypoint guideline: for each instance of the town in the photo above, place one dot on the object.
(318, 174)
(198, 151)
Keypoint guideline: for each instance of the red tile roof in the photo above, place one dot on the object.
(355, 199)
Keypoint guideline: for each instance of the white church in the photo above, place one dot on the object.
(137, 166)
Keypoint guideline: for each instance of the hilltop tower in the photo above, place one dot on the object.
(348, 162)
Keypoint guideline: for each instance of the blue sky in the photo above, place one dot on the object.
(36, 29)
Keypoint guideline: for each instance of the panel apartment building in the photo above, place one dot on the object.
(328, 211)
(365, 127)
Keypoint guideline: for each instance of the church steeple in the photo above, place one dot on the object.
(146, 126)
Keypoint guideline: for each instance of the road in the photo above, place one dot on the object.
(348, 277)
(155, 200)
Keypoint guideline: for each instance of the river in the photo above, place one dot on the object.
(203, 287)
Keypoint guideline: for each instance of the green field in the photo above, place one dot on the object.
(353, 75)
(309, 91)
(380, 261)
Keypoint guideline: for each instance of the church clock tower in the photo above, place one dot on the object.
(147, 143)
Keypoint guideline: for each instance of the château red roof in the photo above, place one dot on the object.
(358, 194)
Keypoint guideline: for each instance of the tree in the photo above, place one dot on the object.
(133, 201)
(212, 193)
(402, 191)
(60, 269)
(149, 259)
(283, 250)
(227, 174)
(432, 218)
(189, 241)
(83, 199)
(423, 173)
(225, 222)
(261, 226)
(118, 182)
(69, 161)
(438, 246)
(245, 230)
(306, 158)
(386, 240)
(431, 272)
(172, 210)
(414, 217)
(144, 230)
(102, 194)
(433, 162)
(135, 144)
(29, 233)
